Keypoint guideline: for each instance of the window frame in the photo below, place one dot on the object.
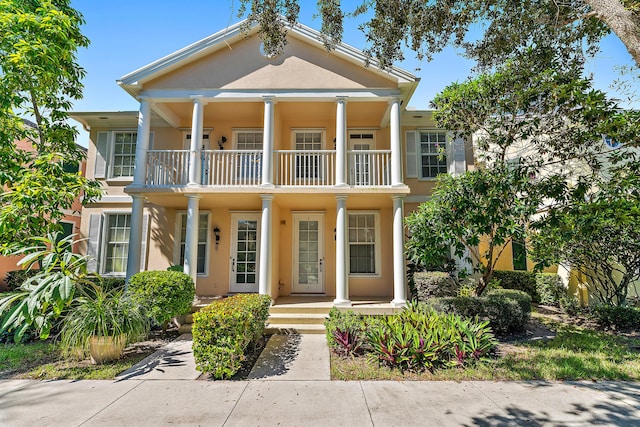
(112, 154)
(419, 154)
(376, 243)
(105, 243)
(178, 240)
(321, 131)
(236, 131)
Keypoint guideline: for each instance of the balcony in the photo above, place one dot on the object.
(292, 168)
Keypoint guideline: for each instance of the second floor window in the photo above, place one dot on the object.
(433, 161)
(124, 154)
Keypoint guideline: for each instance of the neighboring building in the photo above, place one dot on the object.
(285, 175)
(70, 222)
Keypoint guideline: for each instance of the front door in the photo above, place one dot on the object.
(308, 254)
(245, 232)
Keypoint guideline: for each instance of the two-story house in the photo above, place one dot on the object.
(279, 175)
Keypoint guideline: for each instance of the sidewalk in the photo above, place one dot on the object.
(316, 403)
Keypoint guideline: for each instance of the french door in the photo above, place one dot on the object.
(308, 253)
(245, 245)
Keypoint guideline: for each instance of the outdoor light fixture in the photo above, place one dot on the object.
(221, 142)
(216, 232)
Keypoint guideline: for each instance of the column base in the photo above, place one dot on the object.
(399, 303)
(342, 302)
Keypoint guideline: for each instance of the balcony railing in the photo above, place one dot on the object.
(292, 168)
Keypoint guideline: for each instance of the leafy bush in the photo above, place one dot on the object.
(223, 331)
(420, 338)
(519, 280)
(164, 294)
(433, 284)
(176, 268)
(108, 284)
(345, 332)
(569, 304)
(503, 314)
(522, 298)
(624, 318)
(16, 278)
(550, 288)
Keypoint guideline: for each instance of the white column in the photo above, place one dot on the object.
(191, 238)
(142, 143)
(135, 236)
(196, 141)
(399, 266)
(267, 142)
(264, 278)
(342, 255)
(396, 146)
(341, 142)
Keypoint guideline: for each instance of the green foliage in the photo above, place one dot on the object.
(102, 313)
(16, 278)
(176, 268)
(522, 298)
(620, 318)
(39, 77)
(43, 298)
(550, 288)
(420, 339)
(165, 294)
(493, 205)
(347, 331)
(519, 280)
(223, 331)
(569, 304)
(430, 284)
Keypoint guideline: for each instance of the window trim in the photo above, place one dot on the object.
(111, 141)
(351, 142)
(447, 140)
(178, 235)
(236, 131)
(104, 242)
(377, 245)
(322, 131)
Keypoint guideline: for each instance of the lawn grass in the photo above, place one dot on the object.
(575, 353)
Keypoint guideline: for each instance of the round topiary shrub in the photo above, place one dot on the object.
(164, 294)
(434, 284)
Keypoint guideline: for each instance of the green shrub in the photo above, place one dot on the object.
(345, 332)
(15, 278)
(550, 288)
(522, 298)
(108, 284)
(164, 294)
(420, 338)
(623, 318)
(503, 314)
(433, 284)
(519, 280)
(569, 304)
(176, 268)
(223, 331)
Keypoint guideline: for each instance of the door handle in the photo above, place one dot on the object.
(233, 264)
(321, 261)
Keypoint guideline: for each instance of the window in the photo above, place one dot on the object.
(308, 165)
(249, 139)
(432, 159)
(124, 154)
(116, 243)
(363, 253)
(519, 254)
(203, 240)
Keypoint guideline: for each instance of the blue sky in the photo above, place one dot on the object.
(126, 35)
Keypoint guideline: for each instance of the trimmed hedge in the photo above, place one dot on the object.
(164, 294)
(504, 313)
(624, 318)
(15, 278)
(434, 284)
(520, 281)
(223, 330)
(550, 288)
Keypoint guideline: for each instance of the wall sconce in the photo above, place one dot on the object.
(221, 142)
(334, 233)
(216, 232)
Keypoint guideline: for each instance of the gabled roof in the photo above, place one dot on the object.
(223, 39)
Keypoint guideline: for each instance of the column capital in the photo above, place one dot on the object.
(266, 196)
(394, 99)
(193, 196)
(342, 196)
(138, 196)
(269, 98)
(341, 98)
(198, 99)
(397, 197)
(144, 98)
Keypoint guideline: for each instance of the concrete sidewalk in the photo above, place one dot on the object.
(316, 403)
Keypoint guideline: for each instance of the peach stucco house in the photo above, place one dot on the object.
(286, 175)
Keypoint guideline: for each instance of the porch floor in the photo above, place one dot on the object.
(322, 304)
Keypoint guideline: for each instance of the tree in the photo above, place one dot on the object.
(492, 206)
(39, 77)
(597, 234)
(427, 26)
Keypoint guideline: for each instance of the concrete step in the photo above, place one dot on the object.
(293, 328)
(297, 309)
(297, 318)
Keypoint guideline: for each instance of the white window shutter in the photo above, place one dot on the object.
(411, 154)
(93, 244)
(102, 154)
(143, 243)
(457, 162)
(150, 141)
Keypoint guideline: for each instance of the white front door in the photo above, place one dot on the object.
(245, 244)
(308, 253)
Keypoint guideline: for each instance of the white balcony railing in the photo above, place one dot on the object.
(304, 168)
(369, 168)
(292, 168)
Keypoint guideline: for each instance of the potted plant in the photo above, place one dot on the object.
(103, 322)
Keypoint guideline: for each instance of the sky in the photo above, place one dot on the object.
(128, 34)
